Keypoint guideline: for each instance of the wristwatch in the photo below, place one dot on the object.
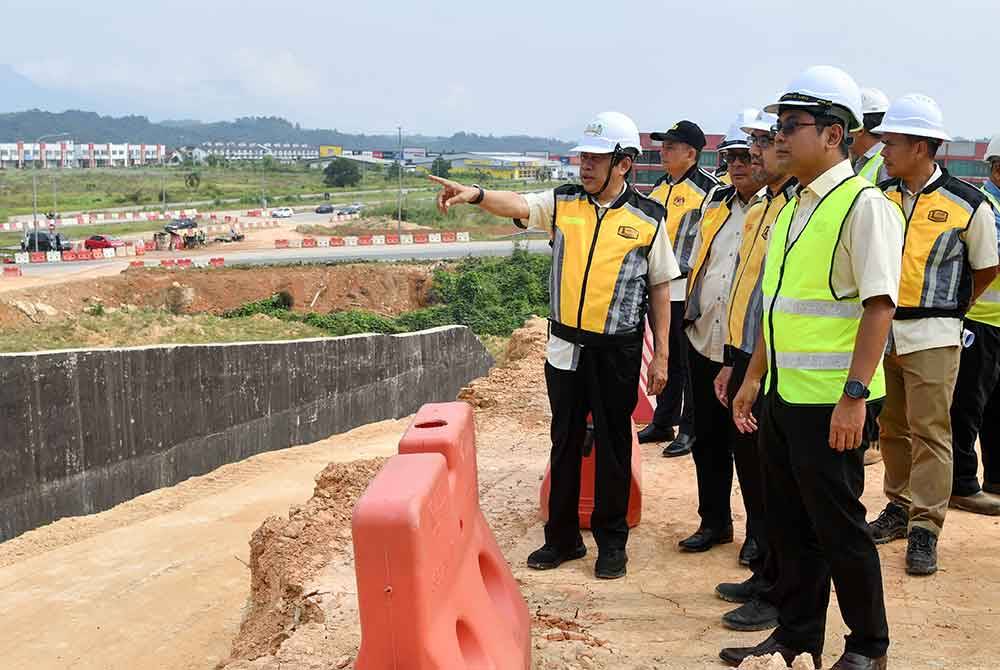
(856, 390)
(479, 198)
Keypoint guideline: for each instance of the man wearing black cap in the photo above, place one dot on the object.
(682, 190)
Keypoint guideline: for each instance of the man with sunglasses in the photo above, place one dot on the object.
(746, 307)
(830, 286)
(714, 254)
(681, 190)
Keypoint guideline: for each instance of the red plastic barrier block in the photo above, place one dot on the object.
(150, 245)
(336, 241)
(84, 255)
(281, 244)
(420, 238)
(136, 264)
(12, 272)
(645, 406)
(308, 242)
(37, 257)
(69, 255)
(433, 587)
(140, 249)
(448, 237)
(364, 240)
(183, 262)
(217, 262)
(392, 239)
(634, 514)
(168, 263)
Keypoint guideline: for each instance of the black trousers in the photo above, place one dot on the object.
(712, 449)
(675, 404)
(818, 530)
(749, 468)
(605, 385)
(975, 411)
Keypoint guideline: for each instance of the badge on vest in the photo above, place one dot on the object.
(678, 200)
(938, 215)
(628, 232)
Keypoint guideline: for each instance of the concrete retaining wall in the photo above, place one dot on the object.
(83, 430)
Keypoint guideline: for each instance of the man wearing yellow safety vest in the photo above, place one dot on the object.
(949, 259)
(682, 190)
(714, 259)
(975, 408)
(611, 262)
(866, 149)
(746, 306)
(829, 286)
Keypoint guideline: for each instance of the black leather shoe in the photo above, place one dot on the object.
(610, 564)
(754, 615)
(733, 656)
(706, 538)
(890, 524)
(548, 557)
(679, 447)
(743, 592)
(749, 552)
(921, 552)
(852, 661)
(654, 433)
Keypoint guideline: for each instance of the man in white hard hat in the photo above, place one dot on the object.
(705, 318)
(829, 288)
(681, 190)
(866, 149)
(975, 407)
(757, 594)
(610, 251)
(949, 259)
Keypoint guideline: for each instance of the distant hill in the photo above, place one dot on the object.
(89, 127)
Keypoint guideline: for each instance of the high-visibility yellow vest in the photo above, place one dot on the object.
(936, 276)
(746, 300)
(716, 215)
(810, 332)
(872, 167)
(598, 281)
(683, 202)
(987, 308)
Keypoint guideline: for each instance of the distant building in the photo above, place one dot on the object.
(537, 167)
(70, 154)
(253, 151)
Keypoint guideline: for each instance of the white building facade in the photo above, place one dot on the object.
(69, 154)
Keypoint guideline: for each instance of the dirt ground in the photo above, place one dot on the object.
(165, 580)
(391, 291)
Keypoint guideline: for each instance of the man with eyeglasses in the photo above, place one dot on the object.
(746, 307)
(715, 251)
(830, 286)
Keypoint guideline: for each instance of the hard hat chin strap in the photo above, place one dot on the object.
(614, 161)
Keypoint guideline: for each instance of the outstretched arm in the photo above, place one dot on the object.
(501, 203)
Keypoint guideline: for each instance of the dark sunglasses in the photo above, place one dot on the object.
(733, 155)
(762, 141)
(788, 127)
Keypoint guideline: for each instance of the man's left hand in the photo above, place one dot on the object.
(847, 424)
(656, 374)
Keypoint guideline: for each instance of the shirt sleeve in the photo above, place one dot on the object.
(541, 207)
(875, 245)
(981, 238)
(662, 262)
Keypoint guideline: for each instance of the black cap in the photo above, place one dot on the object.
(687, 132)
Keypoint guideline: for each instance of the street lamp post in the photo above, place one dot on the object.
(399, 164)
(34, 187)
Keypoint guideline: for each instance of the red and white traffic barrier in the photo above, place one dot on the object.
(372, 240)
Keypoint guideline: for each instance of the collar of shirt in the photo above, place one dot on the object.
(787, 187)
(937, 174)
(613, 202)
(687, 175)
(877, 147)
(829, 180)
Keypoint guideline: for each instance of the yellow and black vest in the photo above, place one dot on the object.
(746, 299)
(717, 213)
(598, 283)
(987, 308)
(683, 202)
(936, 278)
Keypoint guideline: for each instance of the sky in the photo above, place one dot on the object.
(509, 67)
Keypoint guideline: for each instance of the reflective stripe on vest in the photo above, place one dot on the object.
(808, 332)
(871, 169)
(717, 214)
(598, 280)
(936, 275)
(987, 308)
(683, 204)
(746, 301)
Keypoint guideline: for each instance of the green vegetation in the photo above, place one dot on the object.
(493, 296)
(341, 172)
(440, 167)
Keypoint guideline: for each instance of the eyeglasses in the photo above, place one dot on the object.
(762, 141)
(788, 127)
(733, 155)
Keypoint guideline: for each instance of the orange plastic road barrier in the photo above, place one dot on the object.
(69, 255)
(12, 272)
(364, 240)
(281, 244)
(336, 241)
(645, 407)
(634, 514)
(434, 590)
(392, 239)
(420, 238)
(217, 262)
(85, 255)
(183, 262)
(137, 264)
(308, 242)
(168, 263)
(448, 237)
(37, 257)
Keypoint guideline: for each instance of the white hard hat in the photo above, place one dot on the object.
(873, 101)
(609, 131)
(825, 89)
(914, 114)
(764, 121)
(992, 149)
(736, 137)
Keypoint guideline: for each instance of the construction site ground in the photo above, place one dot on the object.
(251, 567)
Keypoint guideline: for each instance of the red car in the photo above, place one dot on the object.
(102, 242)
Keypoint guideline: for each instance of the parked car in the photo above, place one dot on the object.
(180, 224)
(353, 209)
(282, 212)
(102, 242)
(45, 241)
(325, 209)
